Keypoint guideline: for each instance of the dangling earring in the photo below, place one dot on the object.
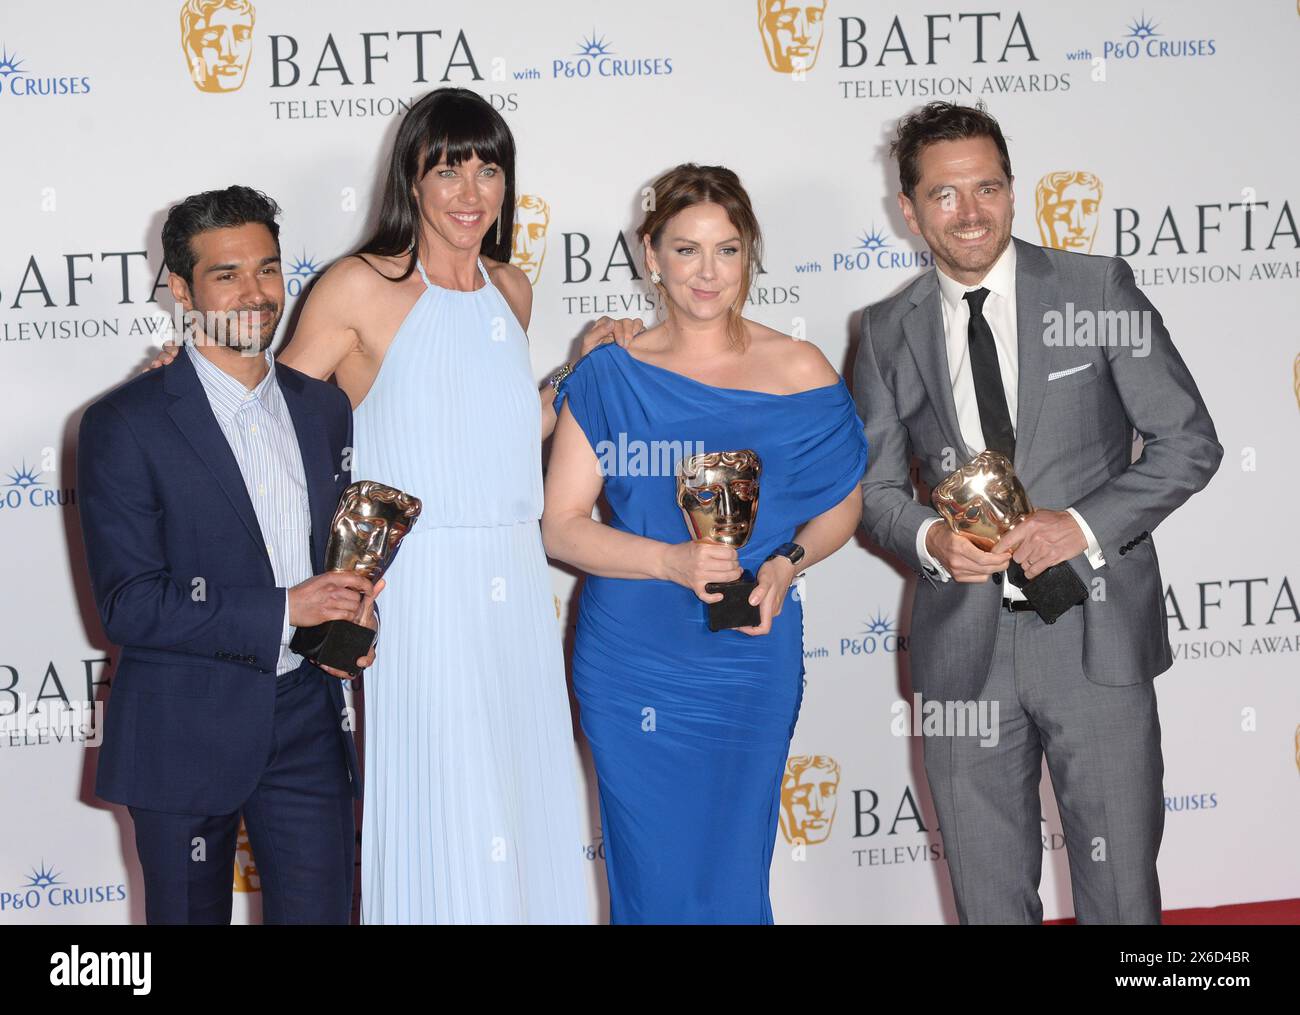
(498, 230)
(655, 277)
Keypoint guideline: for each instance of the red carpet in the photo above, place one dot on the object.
(1283, 911)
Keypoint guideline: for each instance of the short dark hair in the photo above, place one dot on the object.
(941, 121)
(213, 209)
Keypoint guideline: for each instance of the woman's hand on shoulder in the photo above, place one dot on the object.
(606, 329)
(169, 351)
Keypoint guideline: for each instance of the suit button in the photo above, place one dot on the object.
(997, 578)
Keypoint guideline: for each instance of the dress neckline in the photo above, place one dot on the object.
(734, 391)
(487, 281)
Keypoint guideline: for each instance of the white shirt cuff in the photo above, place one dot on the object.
(286, 632)
(1093, 552)
(928, 562)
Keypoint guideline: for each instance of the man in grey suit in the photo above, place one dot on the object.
(988, 351)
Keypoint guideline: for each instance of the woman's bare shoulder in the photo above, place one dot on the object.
(506, 276)
(800, 361)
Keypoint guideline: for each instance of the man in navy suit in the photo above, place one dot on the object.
(206, 493)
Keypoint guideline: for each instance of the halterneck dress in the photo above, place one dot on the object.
(471, 798)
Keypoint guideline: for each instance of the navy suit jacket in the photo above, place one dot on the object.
(184, 585)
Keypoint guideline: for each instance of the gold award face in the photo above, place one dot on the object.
(983, 499)
(217, 39)
(791, 32)
(809, 792)
(718, 495)
(1068, 207)
(528, 245)
(370, 522)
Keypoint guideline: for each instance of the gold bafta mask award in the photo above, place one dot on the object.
(718, 494)
(369, 524)
(983, 500)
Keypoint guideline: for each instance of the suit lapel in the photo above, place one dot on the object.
(322, 493)
(1035, 292)
(193, 415)
(923, 328)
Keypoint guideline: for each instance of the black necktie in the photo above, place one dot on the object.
(990, 396)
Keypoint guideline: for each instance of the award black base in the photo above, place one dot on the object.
(733, 609)
(1053, 593)
(337, 643)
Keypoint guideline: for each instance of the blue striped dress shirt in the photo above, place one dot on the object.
(260, 432)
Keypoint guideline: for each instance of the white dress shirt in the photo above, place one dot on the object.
(1000, 313)
(261, 434)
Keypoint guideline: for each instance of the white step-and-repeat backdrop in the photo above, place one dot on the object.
(1166, 130)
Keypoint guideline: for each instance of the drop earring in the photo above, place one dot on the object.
(498, 230)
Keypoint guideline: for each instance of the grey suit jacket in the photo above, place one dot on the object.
(1074, 438)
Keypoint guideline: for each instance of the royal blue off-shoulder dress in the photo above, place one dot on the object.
(690, 729)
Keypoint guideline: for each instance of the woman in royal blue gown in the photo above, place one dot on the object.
(690, 728)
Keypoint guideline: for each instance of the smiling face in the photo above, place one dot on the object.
(460, 203)
(700, 256)
(963, 205)
(238, 287)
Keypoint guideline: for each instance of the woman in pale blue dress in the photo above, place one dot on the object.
(470, 811)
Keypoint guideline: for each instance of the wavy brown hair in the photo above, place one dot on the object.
(689, 184)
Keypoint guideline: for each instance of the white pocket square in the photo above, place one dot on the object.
(1057, 374)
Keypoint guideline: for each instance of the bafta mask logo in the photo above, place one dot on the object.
(217, 39)
(528, 246)
(246, 877)
(1068, 206)
(791, 32)
(809, 792)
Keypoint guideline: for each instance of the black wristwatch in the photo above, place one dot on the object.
(792, 552)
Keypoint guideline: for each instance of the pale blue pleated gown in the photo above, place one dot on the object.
(471, 799)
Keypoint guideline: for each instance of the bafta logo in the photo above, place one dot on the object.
(809, 792)
(217, 39)
(246, 877)
(528, 245)
(1067, 206)
(791, 32)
